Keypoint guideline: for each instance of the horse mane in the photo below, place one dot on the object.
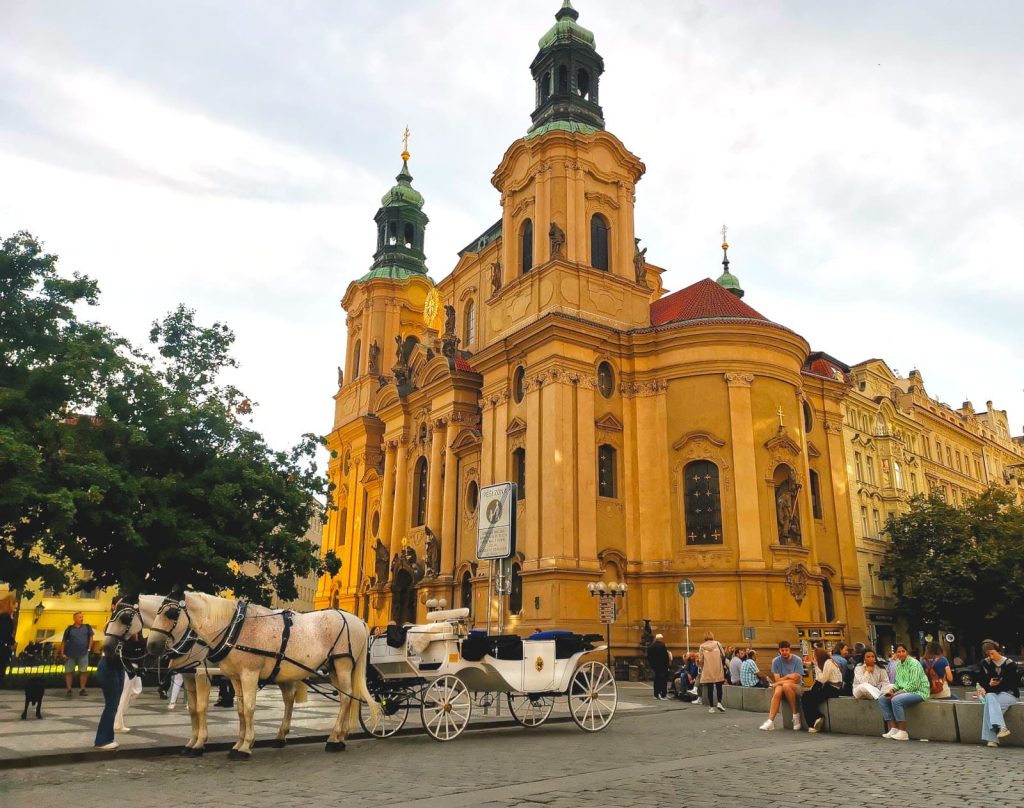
(218, 610)
(148, 605)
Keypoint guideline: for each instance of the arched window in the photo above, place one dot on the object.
(897, 473)
(815, 495)
(392, 233)
(519, 472)
(381, 235)
(830, 604)
(545, 87)
(519, 384)
(342, 527)
(356, 351)
(563, 79)
(410, 235)
(583, 83)
(472, 496)
(466, 590)
(606, 482)
(420, 492)
(703, 504)
(470, 329)
(605, 380)
(879, 425)
(808, 418)
(599, 241)
(526, 246)
(515, 594)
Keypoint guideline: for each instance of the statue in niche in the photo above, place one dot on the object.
(432, 554)
(640, 263)
(495, 277)
(787, 500)
(449, 320)
(382, 559)
(373, 366)
(399, 352)
(557, 238)
(449, 341)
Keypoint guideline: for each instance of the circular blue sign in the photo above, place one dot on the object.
(686, 587)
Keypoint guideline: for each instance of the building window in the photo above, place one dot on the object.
(410, 236)
(913, 484)
(808, 418)
(583, 83)
(563, 80)
(519, 384)
(703, 504)
(375, 523)
(606, 470)
(526, 246)
(342, 527)
(959, 467)
(605, 379)
(420, 493)
(599, 241)
(472, 496)
(860, 466)
(830, 605)
(515, 594)
(356, 351)
(545, 88)
(879, 425)
(815, 494)
(877, 518)
(871, 469)
(466, 590)
(519, 472)
(864, 521)
(897, 474)
(949, 457)
(87, 592)
(470, 318)
(864, 424)
(938, 451)
(927, 447)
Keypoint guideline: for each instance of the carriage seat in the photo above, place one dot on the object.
(447, 615)
(396, 636)
(500, 646)
(567, 643)
(420, 636)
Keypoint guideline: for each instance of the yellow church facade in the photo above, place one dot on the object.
(653, 436)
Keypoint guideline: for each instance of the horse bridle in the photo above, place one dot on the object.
(172, 609)
(125, 615)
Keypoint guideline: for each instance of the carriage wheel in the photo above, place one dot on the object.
(592, 696)
(394, 710)
(530, 711)
(446, 708)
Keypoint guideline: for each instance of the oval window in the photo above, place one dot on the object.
(808, 418)
(472, 496)
(605, 379)
(519, 384)
(375, 523)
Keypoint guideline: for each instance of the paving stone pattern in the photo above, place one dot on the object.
(664, 754)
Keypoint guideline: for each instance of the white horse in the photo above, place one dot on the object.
(253, 644)
(189, 657)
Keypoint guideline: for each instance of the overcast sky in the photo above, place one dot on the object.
(868, 159)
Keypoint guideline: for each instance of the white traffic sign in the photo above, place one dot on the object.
(950, 637)
(496, 523)
(686, 587)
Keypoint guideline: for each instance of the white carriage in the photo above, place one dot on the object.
(444, 669)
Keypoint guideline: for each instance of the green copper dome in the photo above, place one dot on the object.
(566, 29)
(403, 193)
(727, 280)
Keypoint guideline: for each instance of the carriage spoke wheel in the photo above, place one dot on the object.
(592, 696)
(446, 707)
(394, 710)
(530, 711)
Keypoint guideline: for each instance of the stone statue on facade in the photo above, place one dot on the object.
(381, 562)
(373, 366)
(449, 340)
(787, 500)
(341, 376)
(401, 369)
(495, 277)
(449, 320)
(640, 263)
(557, 238)
(432, 554)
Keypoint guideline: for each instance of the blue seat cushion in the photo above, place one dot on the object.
(549, 635)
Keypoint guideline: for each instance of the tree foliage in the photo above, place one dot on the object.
(141, 467)
(960, 567)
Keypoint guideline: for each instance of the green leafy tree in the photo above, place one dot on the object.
(142, 468)
(960, 567)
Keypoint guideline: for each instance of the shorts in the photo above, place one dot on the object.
(81, 662)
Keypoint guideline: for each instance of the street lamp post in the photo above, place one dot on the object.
(609, 611)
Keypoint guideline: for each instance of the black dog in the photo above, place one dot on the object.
(34, 691)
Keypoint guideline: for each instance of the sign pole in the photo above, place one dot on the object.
(686, 607)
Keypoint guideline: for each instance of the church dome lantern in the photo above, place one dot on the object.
(566, 72)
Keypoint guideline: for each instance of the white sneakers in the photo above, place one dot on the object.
(721, 708)
(768, 726)
(109, 747)
(1003, 732)
(711, 710)
(797, 726)
(900, 735)
(993, 744)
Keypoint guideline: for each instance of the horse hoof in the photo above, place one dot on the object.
(235, 754)
(278, 743)
(334, 746)
(196, 751)
(186, 752)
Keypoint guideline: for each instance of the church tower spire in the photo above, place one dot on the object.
(727, 280)
(401, 225)
(566, 72)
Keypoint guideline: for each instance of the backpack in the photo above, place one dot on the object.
(935, 684)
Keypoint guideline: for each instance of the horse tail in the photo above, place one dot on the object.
(359, 684)
(301, 693)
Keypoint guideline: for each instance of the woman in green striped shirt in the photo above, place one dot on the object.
(911, 687)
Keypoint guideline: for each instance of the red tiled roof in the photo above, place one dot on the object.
(821, 364)
(463, 364)
(704, 300)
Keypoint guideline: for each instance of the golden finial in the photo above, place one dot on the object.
(725, 243)
(405, 144)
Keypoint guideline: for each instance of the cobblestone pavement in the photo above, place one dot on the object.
(665, 755)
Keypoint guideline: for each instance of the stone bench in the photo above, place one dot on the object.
(949, 720)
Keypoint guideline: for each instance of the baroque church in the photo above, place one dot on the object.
(653, 435)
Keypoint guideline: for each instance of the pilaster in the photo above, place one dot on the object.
(748, 511)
